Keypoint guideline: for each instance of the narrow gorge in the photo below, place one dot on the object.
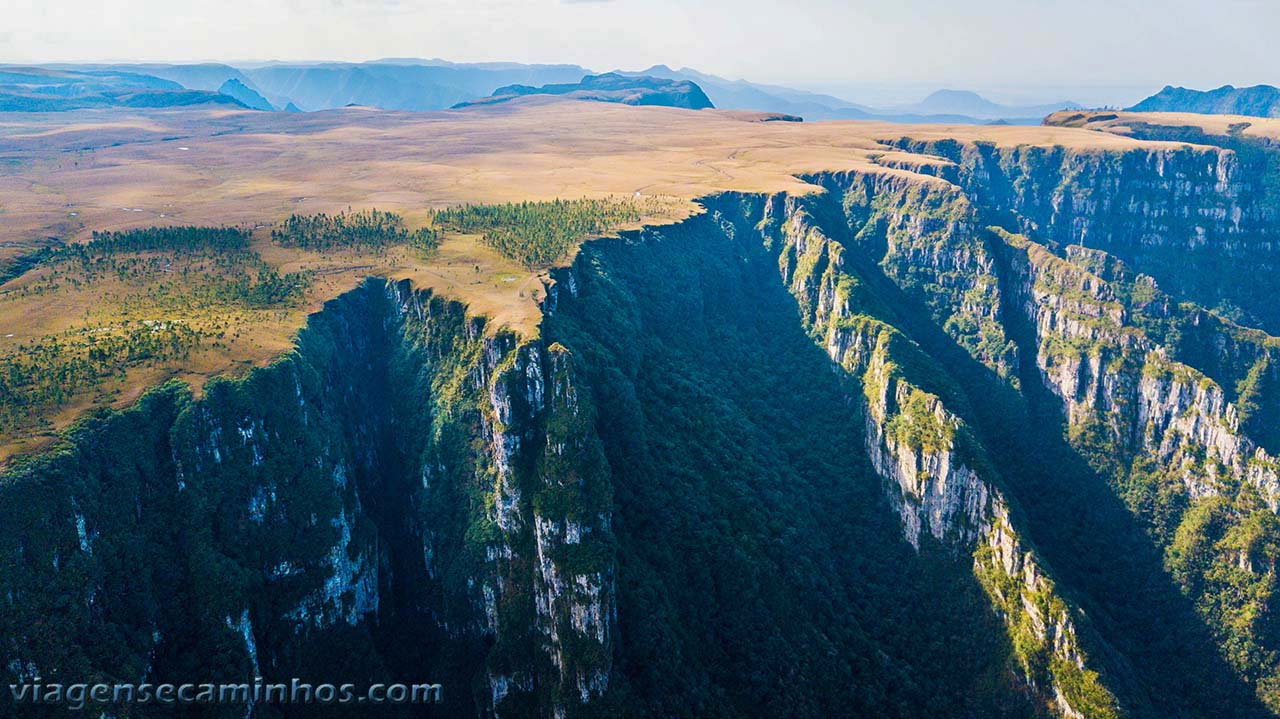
(969, 438)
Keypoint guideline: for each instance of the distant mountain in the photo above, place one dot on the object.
(204, 76)
(433, 84)
(245, 95)
(1259, 100)
(393, 84)
(944, 106)
(397, 85)
(176, 98)
(612, 87)
(971, 104)
(26, 89)
(743, 95)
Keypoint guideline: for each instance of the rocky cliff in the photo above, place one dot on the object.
(406, 488)
(1164, 210)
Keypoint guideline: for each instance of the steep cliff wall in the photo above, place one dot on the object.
(1167, 434)
(379, 504)
(936, 474)
(1195, 217)
(1134, 373)
(762, 571)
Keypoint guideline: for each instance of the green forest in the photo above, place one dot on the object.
(360, 230)
(537, 234)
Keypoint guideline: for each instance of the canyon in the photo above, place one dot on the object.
(967, 423)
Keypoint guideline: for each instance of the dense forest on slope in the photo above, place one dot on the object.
(760, 570)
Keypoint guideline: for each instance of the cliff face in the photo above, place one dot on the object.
(1134, 374)
(1164, 210)
(376, 503)
(935, 472)
(911, 444)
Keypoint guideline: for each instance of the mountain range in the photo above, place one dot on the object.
(423, 85)
(29, 89)
(947, 106)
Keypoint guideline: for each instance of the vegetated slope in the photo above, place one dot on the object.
(1259, 100)
(611, 87)
(900, 447)
(760, 571)
(1165, 213)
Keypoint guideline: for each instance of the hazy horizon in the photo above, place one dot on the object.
(1013, 51)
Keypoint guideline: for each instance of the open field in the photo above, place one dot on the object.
(65, 175)
(1120, 123)
(65, 172)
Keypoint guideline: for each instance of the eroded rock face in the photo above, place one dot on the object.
(913, 439)
(338, 488)
(1195, 217)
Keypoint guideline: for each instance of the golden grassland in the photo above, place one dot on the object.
(64, 175)
(1121, 123)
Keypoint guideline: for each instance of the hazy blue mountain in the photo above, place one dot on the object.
(70, 81)
(245, 95)
(742, 95)
(434, 84)
(971, 104)
(397, 85)
(57, 89)
(1259, 100)
(203, 76)
(945, 106)
(612, 87)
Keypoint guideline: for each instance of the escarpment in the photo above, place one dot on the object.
(405, 497)
(971, 443)
(935, 471)
(1196, 217)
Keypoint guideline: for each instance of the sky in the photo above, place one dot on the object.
(1031, 48)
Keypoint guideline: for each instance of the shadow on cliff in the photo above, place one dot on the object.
(761, 570)
(1160, 657)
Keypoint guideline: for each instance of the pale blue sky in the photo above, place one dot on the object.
(833, 44)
